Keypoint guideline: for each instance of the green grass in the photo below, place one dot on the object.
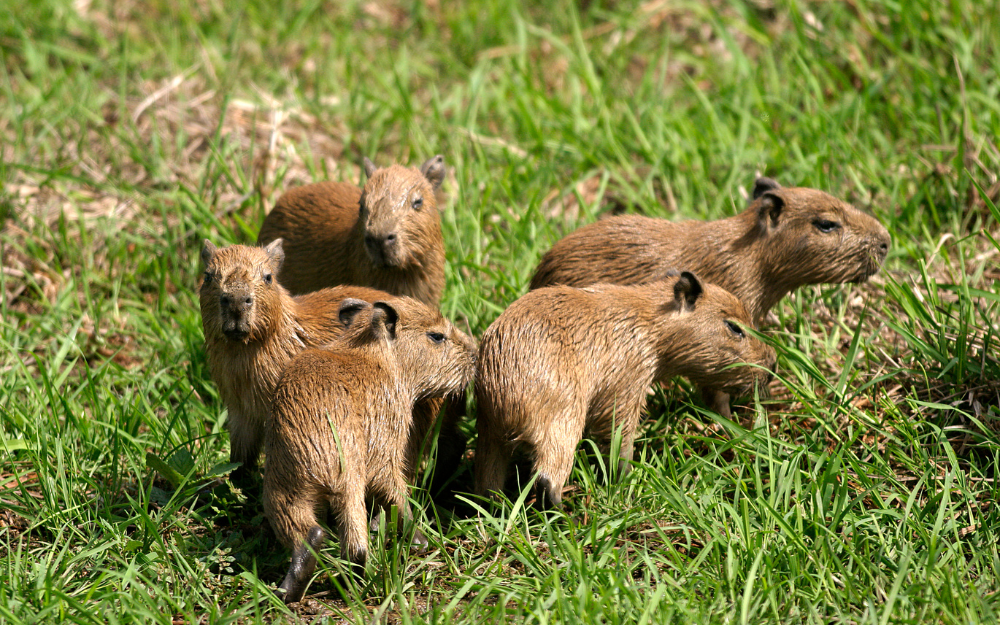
(863, 491)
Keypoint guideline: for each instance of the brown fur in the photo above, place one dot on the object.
(760, 255)
(386, 236)
(248, 344)
(772, 248)
(341, 429)
(563, 361)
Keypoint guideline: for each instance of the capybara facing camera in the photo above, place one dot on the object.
(386, 236)
(253, 327)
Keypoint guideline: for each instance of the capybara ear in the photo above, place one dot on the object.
(207, 252)
(433, 170)
(769, 211)
(369, 167)
(389, 317)
(687, 290)
(762, 185)
(349, 309)
(276, 252)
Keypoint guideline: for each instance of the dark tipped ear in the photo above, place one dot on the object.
(769, 211)
(433, 170)
(390, 315)
(349, 309)
(763, 185)
(276, 252)
(369, 167)
(207, 252)
(687, 290)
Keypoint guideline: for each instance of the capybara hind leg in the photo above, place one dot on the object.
(554, 459)
(353, 525)
(492, 459)
(303, 565)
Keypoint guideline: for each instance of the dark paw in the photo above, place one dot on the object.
(289, 591)
(419, 543)
(548, 496)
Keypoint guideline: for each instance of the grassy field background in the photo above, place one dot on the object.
(863, 491)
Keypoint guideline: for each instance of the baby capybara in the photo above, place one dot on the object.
(385, 236)
(786, 238)
(253, 327)
(341, 429)
(563, 361)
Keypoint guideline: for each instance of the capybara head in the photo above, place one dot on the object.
(435, 357)
(239, 293)
(819, 238)
(717, 348)
(399, 213)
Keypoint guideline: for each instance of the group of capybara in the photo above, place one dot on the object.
(330, 353)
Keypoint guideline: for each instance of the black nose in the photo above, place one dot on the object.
(228, 301)
(375, 243)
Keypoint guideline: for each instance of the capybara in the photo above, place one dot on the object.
(786, 238)
(253, 327)
(341, 429)
(386, 236)
(563, 361)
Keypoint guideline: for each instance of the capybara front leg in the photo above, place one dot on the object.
(717, 401)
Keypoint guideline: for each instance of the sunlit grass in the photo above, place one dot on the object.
(863, 490)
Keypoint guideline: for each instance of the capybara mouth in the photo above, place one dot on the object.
(236, 331)
(759, 382)
(874, 263)
(378, 257)
(866, 272)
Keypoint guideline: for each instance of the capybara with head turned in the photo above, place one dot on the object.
(341, 430)
(562, 361)
(253, 327)
(786, 238)
(386, 236)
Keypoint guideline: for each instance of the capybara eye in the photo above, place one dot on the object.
(436, 337)
(208, 277)
(825, 225)
(417, 203)
(735, 329)
(268, 278)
